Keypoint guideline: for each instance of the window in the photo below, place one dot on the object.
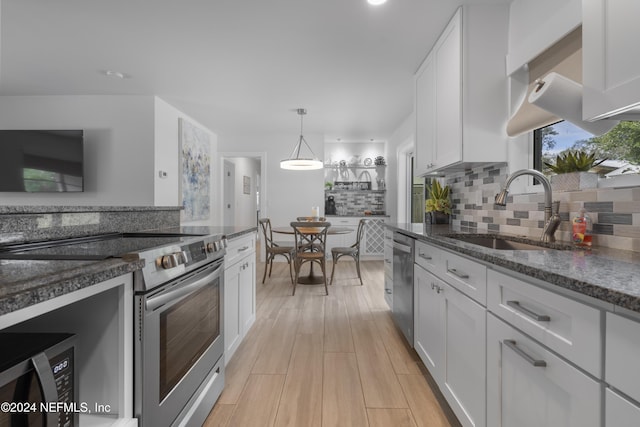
(620, 146)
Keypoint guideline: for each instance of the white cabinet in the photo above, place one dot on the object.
(372, 243)
(341, 240)
(102, 318)
(461, 92)
(428, 334)
(425, 112)
(529, 386)
(622, 354)
(568, 327)
(611, 65)
(239, 291)
(450, 331)
(619, 411)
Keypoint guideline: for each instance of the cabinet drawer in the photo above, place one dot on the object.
(623, 354)
(619, 412)
(428, 257)
(528, 385)
(569, 327)
(467, 276)
(239, 247)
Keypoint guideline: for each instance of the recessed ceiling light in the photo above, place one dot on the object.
(116, 74)
(376, 2)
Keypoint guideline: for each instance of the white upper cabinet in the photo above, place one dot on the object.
(610, 61)
(461, 103)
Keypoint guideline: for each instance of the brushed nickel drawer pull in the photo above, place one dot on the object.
(535, 362)
(535, 316)
(457, 273)
(425, 256)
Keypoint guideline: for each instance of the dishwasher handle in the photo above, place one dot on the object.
(402, 247)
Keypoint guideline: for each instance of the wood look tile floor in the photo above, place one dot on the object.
(336, 360)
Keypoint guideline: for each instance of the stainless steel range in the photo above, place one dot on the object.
(179, 364)
(179, 341)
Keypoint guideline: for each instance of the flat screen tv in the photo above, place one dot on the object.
(38, 161)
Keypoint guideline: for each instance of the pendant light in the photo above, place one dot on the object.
(295, 162)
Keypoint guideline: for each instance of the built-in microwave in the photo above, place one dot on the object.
(38, 384)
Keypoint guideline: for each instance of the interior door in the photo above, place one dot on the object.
(229, 170)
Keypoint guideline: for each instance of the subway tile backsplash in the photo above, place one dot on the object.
(355, 202)
(615, 211)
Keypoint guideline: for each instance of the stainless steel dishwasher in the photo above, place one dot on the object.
(403, 284)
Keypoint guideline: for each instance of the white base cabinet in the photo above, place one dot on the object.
(529, 386)
(450, 331)
(619, 411)
(372, 243)
(239, 292)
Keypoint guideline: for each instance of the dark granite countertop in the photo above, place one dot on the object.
(606, 274)
(230, 231)
(27, 282)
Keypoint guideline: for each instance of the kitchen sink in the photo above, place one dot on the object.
(503, 243)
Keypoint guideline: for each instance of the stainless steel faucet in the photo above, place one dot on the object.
(551, 219)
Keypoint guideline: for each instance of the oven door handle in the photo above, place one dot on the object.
(158, 300)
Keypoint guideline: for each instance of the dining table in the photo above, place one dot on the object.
(311, 278)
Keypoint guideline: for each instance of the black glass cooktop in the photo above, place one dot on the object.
(93, 247)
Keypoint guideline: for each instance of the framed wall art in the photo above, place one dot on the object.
(246, 185)
(195, 171)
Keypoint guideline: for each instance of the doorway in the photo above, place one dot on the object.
(243, 188)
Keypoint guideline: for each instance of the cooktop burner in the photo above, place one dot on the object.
(115, 245)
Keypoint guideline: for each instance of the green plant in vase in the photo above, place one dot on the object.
(438, 205)
(572, 171)
(574, 161)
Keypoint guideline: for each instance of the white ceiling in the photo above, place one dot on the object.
(234, 65)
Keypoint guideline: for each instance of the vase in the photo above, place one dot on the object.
(436, 217)
(574, 181)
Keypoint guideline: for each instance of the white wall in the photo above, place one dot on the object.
(402, 136)
(288, 193)
(167, 158)
(119, 139)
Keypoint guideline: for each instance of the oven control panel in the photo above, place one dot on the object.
(172, 261)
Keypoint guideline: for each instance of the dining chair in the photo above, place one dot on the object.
(310, 218)
(272, 249)
(310, 241)
(352, 251)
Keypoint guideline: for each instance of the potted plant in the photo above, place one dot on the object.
(438, 206)
(572, 171)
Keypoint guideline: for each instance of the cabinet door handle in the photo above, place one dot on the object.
(243, 249)
(425, 256)
(457, 273)
(535, 362)
(535, 316)
(389, 291)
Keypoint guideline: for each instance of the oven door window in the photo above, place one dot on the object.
(187, 329)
